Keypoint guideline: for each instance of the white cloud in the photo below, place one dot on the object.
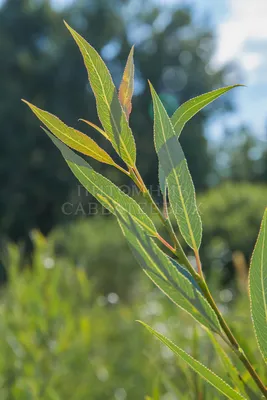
(246, 23)
(242, 39)
(251, 60)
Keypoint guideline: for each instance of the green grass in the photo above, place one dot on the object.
(61, 338)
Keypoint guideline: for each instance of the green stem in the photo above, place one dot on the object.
(233, 342)
(199, 277)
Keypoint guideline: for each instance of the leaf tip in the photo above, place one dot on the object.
(31, 106)
(150, 85)
(69, 27)
(140, 322)
(66, 24)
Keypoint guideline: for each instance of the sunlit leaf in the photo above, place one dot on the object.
(180, 185)
(172, 279)
(258, 288)
(199, 368)
(110, 112)
(95, 127)
(72, 137)
(190, 108)
(100, 187)
(127, 85)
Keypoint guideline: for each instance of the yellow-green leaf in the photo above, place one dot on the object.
(258, 288)
(127, 85)
(95, 127)
(72, 137)
(110, 111)
(198, 367)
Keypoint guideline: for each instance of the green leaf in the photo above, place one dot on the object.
(172, 279)
(180, 185)
(127, 85)
(72, 137)
(258, 288)
(110, 112)
(190, 108)
(100, 187)
(199, 368)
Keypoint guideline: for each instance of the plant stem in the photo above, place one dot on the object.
(233, 342)
(199, 266)
(199, 277)
(166, 244)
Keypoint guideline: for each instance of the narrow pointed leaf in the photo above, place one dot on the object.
(72, 137)
(198, 367)
(95, 127)
(99, 187)
(110, 112)
(180, 185)
(258, 288)
(171, 278)
(127, 85)
(190, 108)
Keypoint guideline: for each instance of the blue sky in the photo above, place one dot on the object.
(241, 35)
(241, 31)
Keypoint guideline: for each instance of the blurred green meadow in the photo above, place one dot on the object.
(68, 317)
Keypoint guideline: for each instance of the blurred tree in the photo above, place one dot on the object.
(40, 62)
(231, 215)
(241, 156)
